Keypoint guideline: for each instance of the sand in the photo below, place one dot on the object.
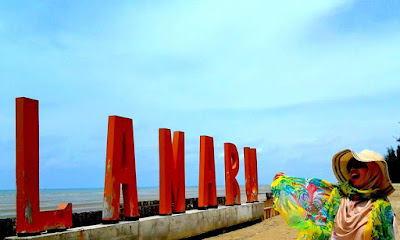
(273, 228)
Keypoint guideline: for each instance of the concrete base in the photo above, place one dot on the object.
(177, 226)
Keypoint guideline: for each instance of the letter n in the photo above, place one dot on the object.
(250, 165)
(29, 217)
(120, 169)
(172, 172)
(232, 189)
(207, 186)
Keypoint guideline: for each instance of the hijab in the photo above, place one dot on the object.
(356, 205)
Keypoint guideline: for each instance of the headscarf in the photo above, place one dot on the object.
(355, 208)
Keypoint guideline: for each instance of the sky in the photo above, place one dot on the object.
(297, 80)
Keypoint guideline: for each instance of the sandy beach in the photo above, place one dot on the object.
(272, 229)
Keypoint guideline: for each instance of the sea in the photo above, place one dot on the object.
(85, 200)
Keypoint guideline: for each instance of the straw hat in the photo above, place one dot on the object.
(340, 160)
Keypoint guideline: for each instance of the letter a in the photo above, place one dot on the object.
(29, 217)
(232, 189)
(120, 169)
(172, 172)
(207, 186)
(250, 165)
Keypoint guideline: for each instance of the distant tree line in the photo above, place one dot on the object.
(393, 160)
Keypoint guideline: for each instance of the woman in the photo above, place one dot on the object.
(355, 208)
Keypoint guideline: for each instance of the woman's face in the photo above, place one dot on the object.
(358, 173)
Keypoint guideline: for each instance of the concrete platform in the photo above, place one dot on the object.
(176, 226)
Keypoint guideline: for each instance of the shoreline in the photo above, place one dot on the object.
(88, 200)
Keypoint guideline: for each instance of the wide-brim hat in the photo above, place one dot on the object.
(342, 158)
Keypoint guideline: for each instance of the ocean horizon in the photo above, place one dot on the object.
(91, 199)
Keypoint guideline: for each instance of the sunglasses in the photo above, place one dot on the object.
(356, 165)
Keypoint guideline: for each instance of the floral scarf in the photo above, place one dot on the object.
(310, 205)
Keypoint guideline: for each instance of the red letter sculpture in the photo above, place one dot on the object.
(29, 217)
(232, 189)
(207, 186)
(172, 172)
(120, 169)
(250, 166)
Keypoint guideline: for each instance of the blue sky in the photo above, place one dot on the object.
(297, 80)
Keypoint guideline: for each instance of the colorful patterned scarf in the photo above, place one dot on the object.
(347, 190)
(310, 205)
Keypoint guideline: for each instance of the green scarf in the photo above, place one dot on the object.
(347, 190)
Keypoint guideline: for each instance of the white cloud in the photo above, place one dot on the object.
(248, 56)
(215, 55)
